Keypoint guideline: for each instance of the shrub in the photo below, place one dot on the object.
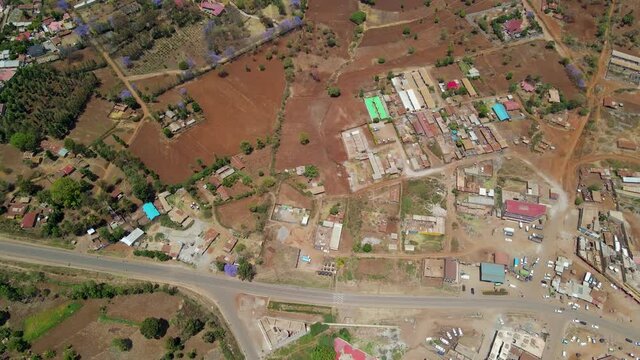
(333, 91)
(122, 344)
(304, 138)
(358, 17)
(381, 60)
(367, 248)
(246, 147)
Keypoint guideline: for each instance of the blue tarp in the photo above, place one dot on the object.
(150, 210)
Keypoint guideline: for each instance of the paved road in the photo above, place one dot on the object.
(223, 290)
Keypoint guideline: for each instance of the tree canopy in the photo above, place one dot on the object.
(40, 100)
(154, 328)
(66, 192)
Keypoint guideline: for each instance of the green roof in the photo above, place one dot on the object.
(375, 108)
(492, 272)
(371, 108)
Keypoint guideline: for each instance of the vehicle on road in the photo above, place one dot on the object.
(559, 311)
(595, 326)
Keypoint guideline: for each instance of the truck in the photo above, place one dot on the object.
(509, 229)
(534, 239)
(508, 233)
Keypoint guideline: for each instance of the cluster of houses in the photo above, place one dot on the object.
(175, 125)
(604, 241)
(44, 42)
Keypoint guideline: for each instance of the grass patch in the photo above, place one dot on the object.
(103, 318)
(299, 308)
(38, 324)
(419, 195)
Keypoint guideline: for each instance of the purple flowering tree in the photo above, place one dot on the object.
(126, 62)
(124, 94)
(62, 5)
(229, 51)
(231, 270)
(214, 58)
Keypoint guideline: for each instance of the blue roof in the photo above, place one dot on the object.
(63, 152)
(492, 272)
(501, 112)
(150, 210)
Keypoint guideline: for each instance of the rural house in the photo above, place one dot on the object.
(212, 7)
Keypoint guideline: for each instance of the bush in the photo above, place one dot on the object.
(578, 201)
(333, 91)
(381, 60)
(304, 138)
(122, 344)
(367, 248)
(209, 337)
(183, 65)
(154, 328)
(246, 147)
(358, 17)
(406, 31)
(193, 327)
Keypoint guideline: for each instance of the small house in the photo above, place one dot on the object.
(29, 220)
(67, 170)
(16, 210)
(212, 7)
(527, 86)
(230, 244)
(554, 96)
(513, 26)
(134, 236)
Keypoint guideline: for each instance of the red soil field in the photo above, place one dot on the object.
(585, 14)
(525, 60)
(240, 107)
(389, 42)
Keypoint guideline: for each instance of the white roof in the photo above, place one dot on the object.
(336, 233)
(625, 56)
(414, 99)
(630, 179)
(405, 100)
(133, 236)
(9, 63)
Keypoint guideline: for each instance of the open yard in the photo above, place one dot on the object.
(527, 59)
(420, 196)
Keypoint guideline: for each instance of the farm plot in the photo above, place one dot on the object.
(237, 215)
(94, 121)
(186, 44)
(239, 107)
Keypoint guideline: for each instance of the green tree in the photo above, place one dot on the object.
(367, 248)
(24, 141)
(193, 327)
(246, 147)
(4, 316)
(154, 328)
(173, 344)
(358, 17)
(183, 65)
(196, 107)
(122, 344)
(246, 270)
(311, 171)
(66, 192)
(333, 91)
(406, 31)
(209, 337)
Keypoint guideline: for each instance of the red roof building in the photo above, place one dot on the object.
(513, 26)
(345, 351)
(23, 36)
(452, 85)
(212, 7)
(29, 220)
(523, 211)
(526, 86)
(67, 170)
(511, 105)
(501, 258)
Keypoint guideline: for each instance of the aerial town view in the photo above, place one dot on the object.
(320, 179)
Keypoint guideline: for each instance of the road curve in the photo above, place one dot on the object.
(222, 290)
